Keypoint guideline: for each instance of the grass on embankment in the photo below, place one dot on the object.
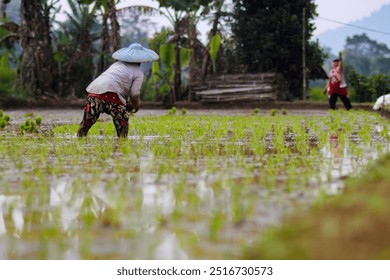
(354, 225)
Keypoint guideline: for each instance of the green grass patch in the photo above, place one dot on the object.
(316, 94)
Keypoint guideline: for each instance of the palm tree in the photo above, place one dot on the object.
(177, 20)
(76, 42)
(218, 4)
(184, 18)
(192, 11)
(37, 71)
(109, 38)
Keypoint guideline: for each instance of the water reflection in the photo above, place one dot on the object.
(11, 206)
(66, 205)
(169, 248)
(343, 161)
(128, 210)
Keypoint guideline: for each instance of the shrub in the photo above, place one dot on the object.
(7, 75)
(316, 94)
(368, 89)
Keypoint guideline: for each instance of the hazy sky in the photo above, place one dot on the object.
(345, 11)
(339, 10)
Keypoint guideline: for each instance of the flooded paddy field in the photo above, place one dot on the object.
(184, 185)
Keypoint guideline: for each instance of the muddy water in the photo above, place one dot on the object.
(135, 208)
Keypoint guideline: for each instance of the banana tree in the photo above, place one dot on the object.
(208, 52)
(193, 11)
(9, 34)
(164, 74)
(75, 42)
(178, 23)
(183, 16)
(109, 39)
(8, 75)
(215, 44)
(9, 30)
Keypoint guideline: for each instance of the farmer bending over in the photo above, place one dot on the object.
(336, 87)
(117, 90)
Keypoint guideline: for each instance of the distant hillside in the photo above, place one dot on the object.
(380, 20)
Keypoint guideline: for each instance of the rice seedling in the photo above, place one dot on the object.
(203, 179)
(172, 111)
(30, 125)
(4, 120)
(255, 111)
(216, 224)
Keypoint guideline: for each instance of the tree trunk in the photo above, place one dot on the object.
(115, 29)
(176, 95)
(192, 66)
(104, 46)
(213, 32)
(109, 41)
(86, 47)
(37, 65)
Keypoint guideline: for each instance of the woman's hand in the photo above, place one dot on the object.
(129, 106)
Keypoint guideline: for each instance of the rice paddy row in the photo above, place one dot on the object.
(180, 186)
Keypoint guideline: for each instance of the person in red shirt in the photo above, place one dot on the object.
(336, 87)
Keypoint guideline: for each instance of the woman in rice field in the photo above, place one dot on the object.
(336, 86)
(117, 90)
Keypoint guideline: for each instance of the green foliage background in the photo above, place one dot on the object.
(269, 38)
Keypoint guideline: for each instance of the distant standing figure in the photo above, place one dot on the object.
(335, 87)
(117, 90)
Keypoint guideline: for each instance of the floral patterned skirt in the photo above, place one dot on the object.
(95, 106)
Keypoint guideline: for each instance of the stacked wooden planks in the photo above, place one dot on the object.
(239, 87)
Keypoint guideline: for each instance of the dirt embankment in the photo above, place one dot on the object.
(54, 103)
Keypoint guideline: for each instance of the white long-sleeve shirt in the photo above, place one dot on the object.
(124, 79)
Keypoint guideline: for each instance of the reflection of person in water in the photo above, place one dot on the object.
(334, 142)
(335, 87)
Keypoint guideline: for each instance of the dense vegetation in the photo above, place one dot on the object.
(243, 36)
(269, 38)
(64, 57)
